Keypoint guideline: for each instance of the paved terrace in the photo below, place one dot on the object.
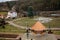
(58, 36)
(39, 37)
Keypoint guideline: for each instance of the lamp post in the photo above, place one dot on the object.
(49, 31)
(27, 31)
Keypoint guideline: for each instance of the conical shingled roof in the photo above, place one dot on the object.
(38, 26)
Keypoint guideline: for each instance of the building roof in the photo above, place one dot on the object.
(38, 26)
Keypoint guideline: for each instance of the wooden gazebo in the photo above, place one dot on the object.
(38, 28)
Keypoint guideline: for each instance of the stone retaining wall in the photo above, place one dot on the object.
(9, 36)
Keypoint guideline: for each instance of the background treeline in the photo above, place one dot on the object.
(42, 5)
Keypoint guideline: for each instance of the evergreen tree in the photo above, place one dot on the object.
(30, 11)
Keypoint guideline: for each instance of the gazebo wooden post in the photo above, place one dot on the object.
(27, 33)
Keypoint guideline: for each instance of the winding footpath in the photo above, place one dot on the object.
(15, 25)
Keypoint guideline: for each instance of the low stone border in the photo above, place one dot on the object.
(5, 36)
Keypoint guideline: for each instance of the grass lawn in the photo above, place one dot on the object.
(3, 13)
(57, 32)
(25, 21)
(30, 22)
(11, 29)
(54, 23)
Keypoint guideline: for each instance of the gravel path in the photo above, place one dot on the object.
(15, 25)
(39, 37)
(44, 19)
